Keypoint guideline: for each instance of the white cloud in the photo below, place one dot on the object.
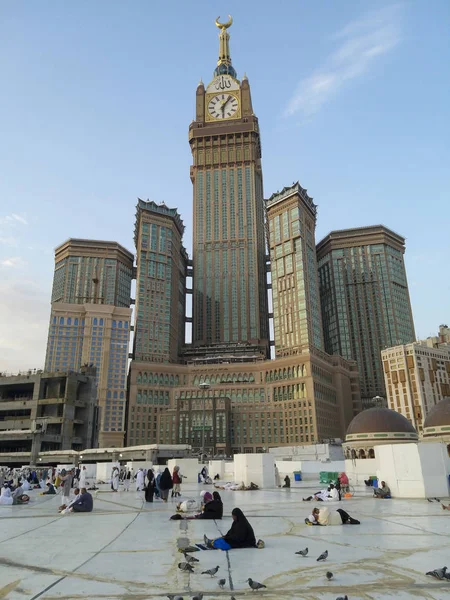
(9, 240)
(20, 219)
(24, 318)
(12, 261)
(361, 43)
(13, 219)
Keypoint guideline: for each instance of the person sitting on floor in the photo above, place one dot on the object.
(241, 535)
(213, 508)
(287, 482)
(382, 492)
(322, 516)
(65, 507)
(84, 502)
(50, 490)
(326, 495)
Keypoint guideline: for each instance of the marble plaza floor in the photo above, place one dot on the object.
(128, 550)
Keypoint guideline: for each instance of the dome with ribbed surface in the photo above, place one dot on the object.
(437, 421)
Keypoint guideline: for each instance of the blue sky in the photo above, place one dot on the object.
(353, 100)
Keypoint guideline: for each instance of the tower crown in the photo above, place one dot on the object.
(224, 66)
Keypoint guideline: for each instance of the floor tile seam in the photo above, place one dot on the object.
(88, 560)
(424, 531)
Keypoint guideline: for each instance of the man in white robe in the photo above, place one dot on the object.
(140, 480)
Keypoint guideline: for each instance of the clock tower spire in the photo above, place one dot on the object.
(224, 66)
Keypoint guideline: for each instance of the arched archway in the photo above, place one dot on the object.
(371, 453)
(362, 454)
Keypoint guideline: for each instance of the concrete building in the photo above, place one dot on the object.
(417, 378)
(297, 399)
(442, 340)
(365, 299)
(90, 323)
(291, 216)
(47, 412)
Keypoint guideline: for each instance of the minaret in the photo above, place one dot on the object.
(230, 308)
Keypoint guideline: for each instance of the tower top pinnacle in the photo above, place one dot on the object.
(224, 66)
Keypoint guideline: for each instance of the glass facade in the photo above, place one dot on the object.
(161, 280)
(365, 305)
(295, 291)
(229, 289)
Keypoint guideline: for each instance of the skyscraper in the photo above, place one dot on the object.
(90, 323)
(225, 394)
(159, 331)
(229, 291)
(291, 214)
(365, 299)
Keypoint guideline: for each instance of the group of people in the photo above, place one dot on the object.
(151, 481)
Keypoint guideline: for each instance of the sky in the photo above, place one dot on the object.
(353, 100)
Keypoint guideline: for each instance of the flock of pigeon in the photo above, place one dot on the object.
(440, 574)
(188, 566)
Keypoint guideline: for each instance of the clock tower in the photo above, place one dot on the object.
(230, 308)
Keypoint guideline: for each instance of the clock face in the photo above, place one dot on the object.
(223, 106)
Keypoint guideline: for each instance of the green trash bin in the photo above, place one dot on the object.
(323, 477)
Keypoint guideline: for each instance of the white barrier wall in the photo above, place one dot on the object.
(256, 468)
(360, 469)
(216, 467)
(228, 473)
(104, 470)
(413, 470)
(189, 467)
(287, 467)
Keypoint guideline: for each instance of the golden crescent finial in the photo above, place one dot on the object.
(223, 26)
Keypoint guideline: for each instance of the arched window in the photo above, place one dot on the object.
(171, 380)
(144, 378)
(75, 321)
(177, 380)
(195, 379)
(139, 377)
(101, 323)
(361, 454)
(371, 453)
(251, 378)
(69, 321)
(95, 322)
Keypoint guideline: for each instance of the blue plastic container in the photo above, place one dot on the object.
(297, 476)
(375, 483)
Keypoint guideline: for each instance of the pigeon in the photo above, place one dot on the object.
(184, 566)
(429, 500)
(222, 583)
(255, 585)
(342, 597)
(437, 499)
(211, 572)
(198, 596)
(447, 575)
(329, 575)
(190, 559)
(323, 556)
(188, 549)
(438, 573)
(302, 552)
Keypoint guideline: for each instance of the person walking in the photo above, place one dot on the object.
(140, 480)
(150, 489)
(127, 480)
(66, 479)
(115, 479)
(165, 484)
(177, 479)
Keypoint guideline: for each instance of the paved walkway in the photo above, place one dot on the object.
(127, 550)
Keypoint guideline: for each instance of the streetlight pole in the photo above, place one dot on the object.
(204, 386)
